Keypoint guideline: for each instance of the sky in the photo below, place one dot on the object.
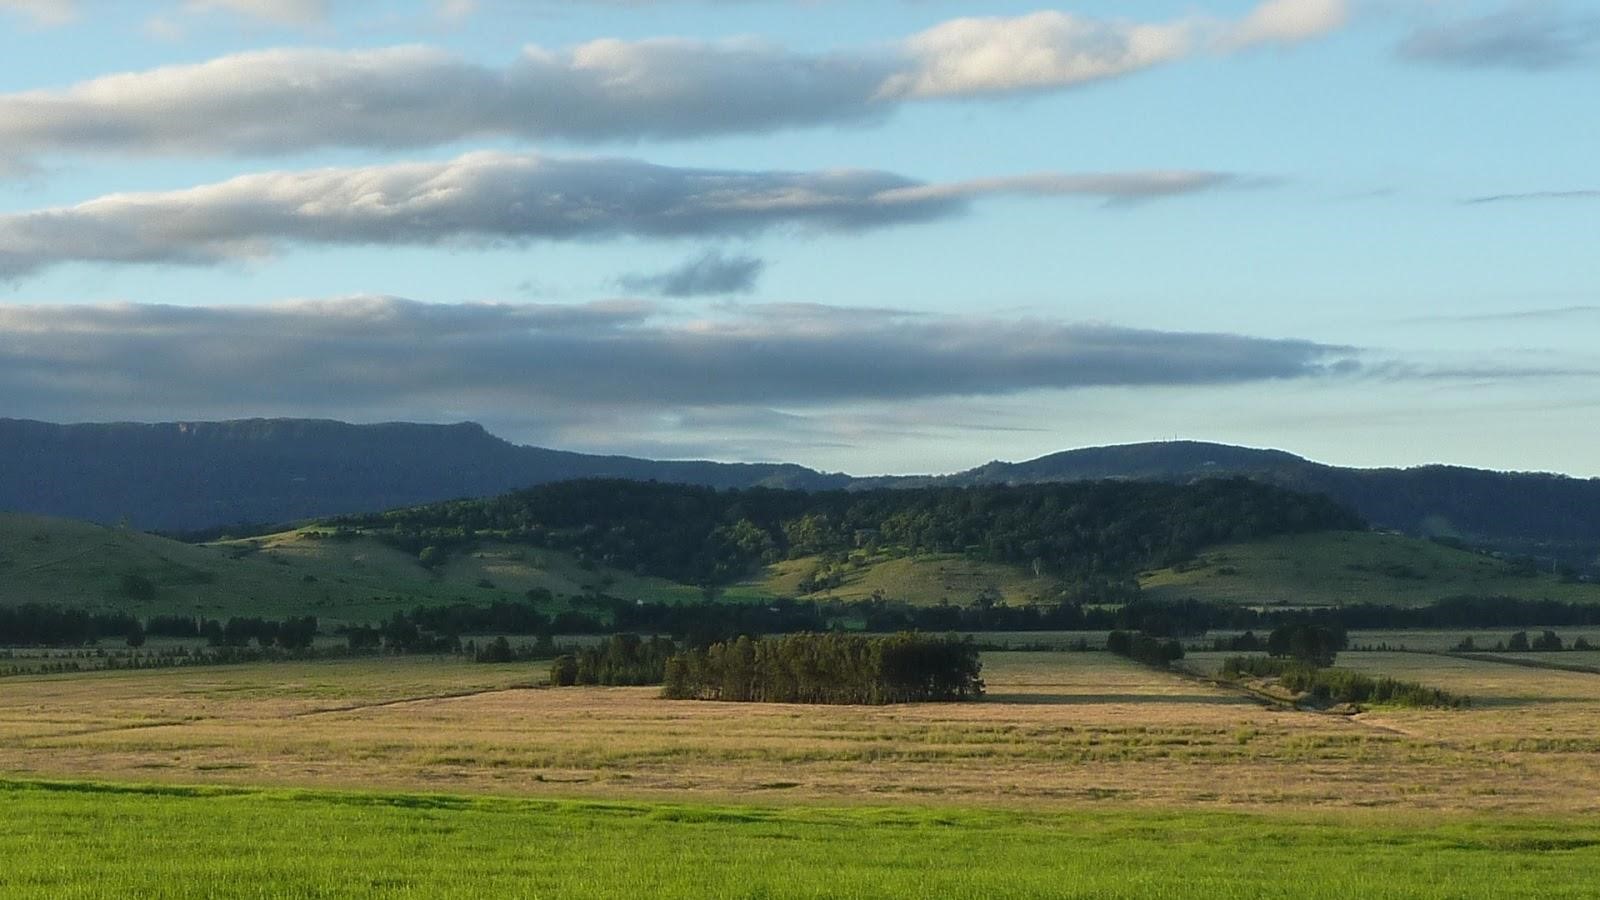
(891, 237)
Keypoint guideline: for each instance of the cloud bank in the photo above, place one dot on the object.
(292, 100)
(390, 357)
(485, 198)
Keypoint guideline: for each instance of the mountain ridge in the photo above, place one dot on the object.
(195, 475)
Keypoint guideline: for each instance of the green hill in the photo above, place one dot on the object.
(923, 580)
(1337, 568)
(356, 579)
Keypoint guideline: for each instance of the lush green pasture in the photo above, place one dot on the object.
(1342, 567)
(295, 573)
(67, 839)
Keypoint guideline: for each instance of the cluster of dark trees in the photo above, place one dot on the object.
(699, 535)
(36, 625)
(294, 633)
(1548, 642)
(623, 659)
(828, 668)
(1311, 643)
(1328, 686)
(1152, 651)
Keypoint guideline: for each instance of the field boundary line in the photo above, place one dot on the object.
(1518, 661)
(401, 701)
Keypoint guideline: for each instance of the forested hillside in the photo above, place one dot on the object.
(1553, 516)
(703, 536)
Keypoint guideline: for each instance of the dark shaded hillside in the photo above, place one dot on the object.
(1520, 512)
(1081, 531)
(178, 476)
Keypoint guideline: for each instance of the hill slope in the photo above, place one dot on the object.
(200, 475)
(356, 579)
(187, 476)
(80, 565)
(1343, 568)
(1518, 512)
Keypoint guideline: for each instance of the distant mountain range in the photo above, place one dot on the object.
(176, 476)
(199, 475)
(1553, 516)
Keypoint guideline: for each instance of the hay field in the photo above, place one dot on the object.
(1059, 729)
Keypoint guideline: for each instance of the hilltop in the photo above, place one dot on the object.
(220, 476)
(1554, 516)
(181, 476)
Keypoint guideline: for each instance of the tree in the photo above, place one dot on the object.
(564, 671)
(1549, 642)
(1314, 644)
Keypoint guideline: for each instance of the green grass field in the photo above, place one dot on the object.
(927, 580)
(96, 840)
(1336, 568)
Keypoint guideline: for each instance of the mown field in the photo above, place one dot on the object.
(1057, 730)
(93, 840)
(1082, 774)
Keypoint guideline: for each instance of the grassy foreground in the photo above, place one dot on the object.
(65, 839)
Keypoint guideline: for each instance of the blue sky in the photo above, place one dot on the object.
(888, 237)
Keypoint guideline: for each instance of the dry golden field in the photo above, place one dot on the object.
(1058, 729)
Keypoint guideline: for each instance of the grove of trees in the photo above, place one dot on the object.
(828, 668)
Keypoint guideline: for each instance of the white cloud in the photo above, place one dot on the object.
(282, 12)
(1288, 22)
(485, 198)
(967, 57)
(43, 12)
(293, 100)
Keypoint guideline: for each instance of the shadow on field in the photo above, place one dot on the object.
(1095, 699)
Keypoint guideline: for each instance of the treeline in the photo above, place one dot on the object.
(1548, 642)
(704, 536)
(1196, 617)
(625, 659)
(828, 668)
(36, 625)
(1152, 651)
(1330, 686)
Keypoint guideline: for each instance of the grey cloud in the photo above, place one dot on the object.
(292, 100)
(1530, 36)
(488, 198)
(708, 274)
(389, 357)
(1521, 315)
(1537, 195)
